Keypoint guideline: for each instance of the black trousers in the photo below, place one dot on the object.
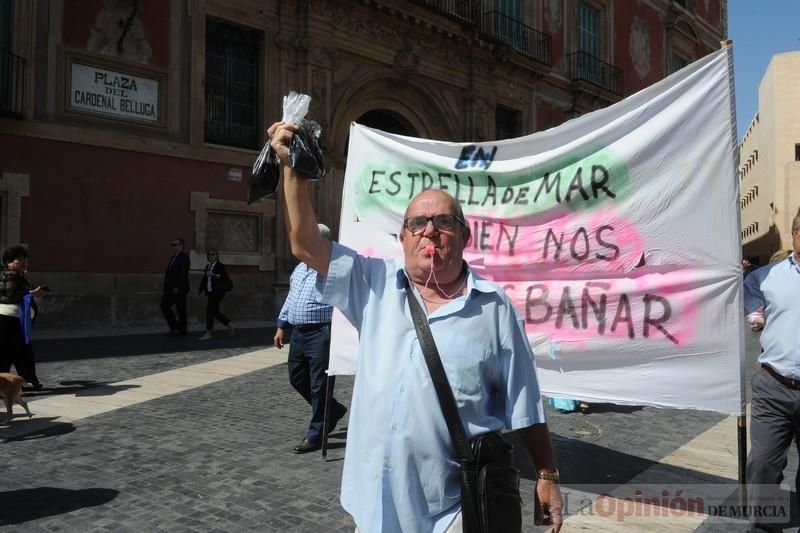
(212, 309)
(774, 424)
(14, 351)
(170, 299)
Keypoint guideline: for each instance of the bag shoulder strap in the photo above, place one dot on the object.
(447, 401)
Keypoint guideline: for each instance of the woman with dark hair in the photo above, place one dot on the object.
(216, 282)
(15, 302)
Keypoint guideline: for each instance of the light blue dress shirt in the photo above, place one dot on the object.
(775, 288)
(400, 471)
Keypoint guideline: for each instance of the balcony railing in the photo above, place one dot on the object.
(12, 83)
(524, 39)
(468, 11)
(586, 67)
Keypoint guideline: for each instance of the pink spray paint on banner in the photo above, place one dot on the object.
(599, 240)
(591, 278)
(657, 306)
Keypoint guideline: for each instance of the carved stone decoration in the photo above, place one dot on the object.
(232, 232)
(387, 35)
(405, 60)
(243, 233)
(319, 98)
(552, 14)
(323, 57)
(118, 32)
(325, 8)
(342, 17)
(436, 47)
(453, 57)
(639, 45)
(478, 117)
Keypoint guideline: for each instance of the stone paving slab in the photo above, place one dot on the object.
(73, 407)
(204, 459)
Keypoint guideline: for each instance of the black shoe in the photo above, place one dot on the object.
(171, 333)
(336, 416)
(307, 446)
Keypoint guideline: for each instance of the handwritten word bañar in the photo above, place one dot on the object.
(609, 312)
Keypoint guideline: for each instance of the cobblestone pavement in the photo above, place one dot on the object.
(217, 457)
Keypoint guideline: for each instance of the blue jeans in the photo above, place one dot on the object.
(309, 351)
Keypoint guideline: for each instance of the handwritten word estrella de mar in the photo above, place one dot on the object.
(587, 184)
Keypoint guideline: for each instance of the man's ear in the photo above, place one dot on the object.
(467, 236)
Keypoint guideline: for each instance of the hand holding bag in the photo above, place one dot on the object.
(490, 501)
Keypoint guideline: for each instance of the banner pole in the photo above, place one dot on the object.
(741, 429)
(327, 415)
(741, 420)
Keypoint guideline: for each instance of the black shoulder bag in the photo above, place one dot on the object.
(490, 501)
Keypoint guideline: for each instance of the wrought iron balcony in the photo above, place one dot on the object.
(12, 84)
(468, 11)
(524, 39)
(586, 67)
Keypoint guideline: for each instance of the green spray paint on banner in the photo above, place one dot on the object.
(573, 184)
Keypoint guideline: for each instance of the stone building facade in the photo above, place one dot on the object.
(769, 166)
(127, 123)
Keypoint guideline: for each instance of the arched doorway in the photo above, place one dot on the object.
(388, 121)
(384, 120)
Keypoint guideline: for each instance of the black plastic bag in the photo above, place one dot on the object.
(305, 151)
(265, 175)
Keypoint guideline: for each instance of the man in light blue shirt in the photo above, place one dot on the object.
(772, 302)
(400, 471)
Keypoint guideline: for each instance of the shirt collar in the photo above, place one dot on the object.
(793, 261)
(474, 281)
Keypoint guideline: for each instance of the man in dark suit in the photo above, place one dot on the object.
(176, 287)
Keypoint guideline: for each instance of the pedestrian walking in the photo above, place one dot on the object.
(176, 287)
(215, 284)
(309, 351)
(15, 302)
(772, 303)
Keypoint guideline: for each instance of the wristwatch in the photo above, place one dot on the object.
(549, 475)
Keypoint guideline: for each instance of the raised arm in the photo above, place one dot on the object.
(301, 222)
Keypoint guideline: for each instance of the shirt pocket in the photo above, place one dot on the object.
(467, 362)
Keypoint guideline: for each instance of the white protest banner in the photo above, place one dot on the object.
(616, 235)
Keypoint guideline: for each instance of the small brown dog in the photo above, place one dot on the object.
(11, 391)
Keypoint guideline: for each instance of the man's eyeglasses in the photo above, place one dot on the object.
(440, 222)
